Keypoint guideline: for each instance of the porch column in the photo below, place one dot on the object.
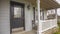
(39, 22)
(56, 16)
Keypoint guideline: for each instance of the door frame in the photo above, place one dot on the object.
(34, 13)
(22, 4)
(33, 21)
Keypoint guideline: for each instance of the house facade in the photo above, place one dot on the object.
(16, 15)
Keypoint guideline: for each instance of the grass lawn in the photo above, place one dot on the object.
(58, 32)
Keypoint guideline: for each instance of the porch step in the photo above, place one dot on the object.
(18, 32)
(24, 32)
(18, 29)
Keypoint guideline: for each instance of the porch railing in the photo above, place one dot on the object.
(47, 24)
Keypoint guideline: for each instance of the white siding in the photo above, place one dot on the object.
(28, 19)
(4, 17)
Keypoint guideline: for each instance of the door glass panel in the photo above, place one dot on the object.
(17, 12)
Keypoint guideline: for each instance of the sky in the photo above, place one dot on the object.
(58, 1)
(58, 10)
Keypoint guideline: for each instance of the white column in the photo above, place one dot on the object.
(39, 22)
(56, 16)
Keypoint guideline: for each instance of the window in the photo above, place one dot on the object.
(17, 12)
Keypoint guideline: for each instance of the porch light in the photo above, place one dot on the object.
(28, 7)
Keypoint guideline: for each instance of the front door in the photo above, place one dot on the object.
(17, 16)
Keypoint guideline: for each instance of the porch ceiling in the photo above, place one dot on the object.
(45, 4)
(49, 4)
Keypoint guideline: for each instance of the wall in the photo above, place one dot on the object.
(45, 14)
(28, 18)
(4, 17)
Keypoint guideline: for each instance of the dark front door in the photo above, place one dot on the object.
(17, 15)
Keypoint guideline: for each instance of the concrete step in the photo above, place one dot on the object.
(17, 29)
(25, 32)
(19, 32)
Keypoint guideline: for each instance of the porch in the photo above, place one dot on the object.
(40, 20)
